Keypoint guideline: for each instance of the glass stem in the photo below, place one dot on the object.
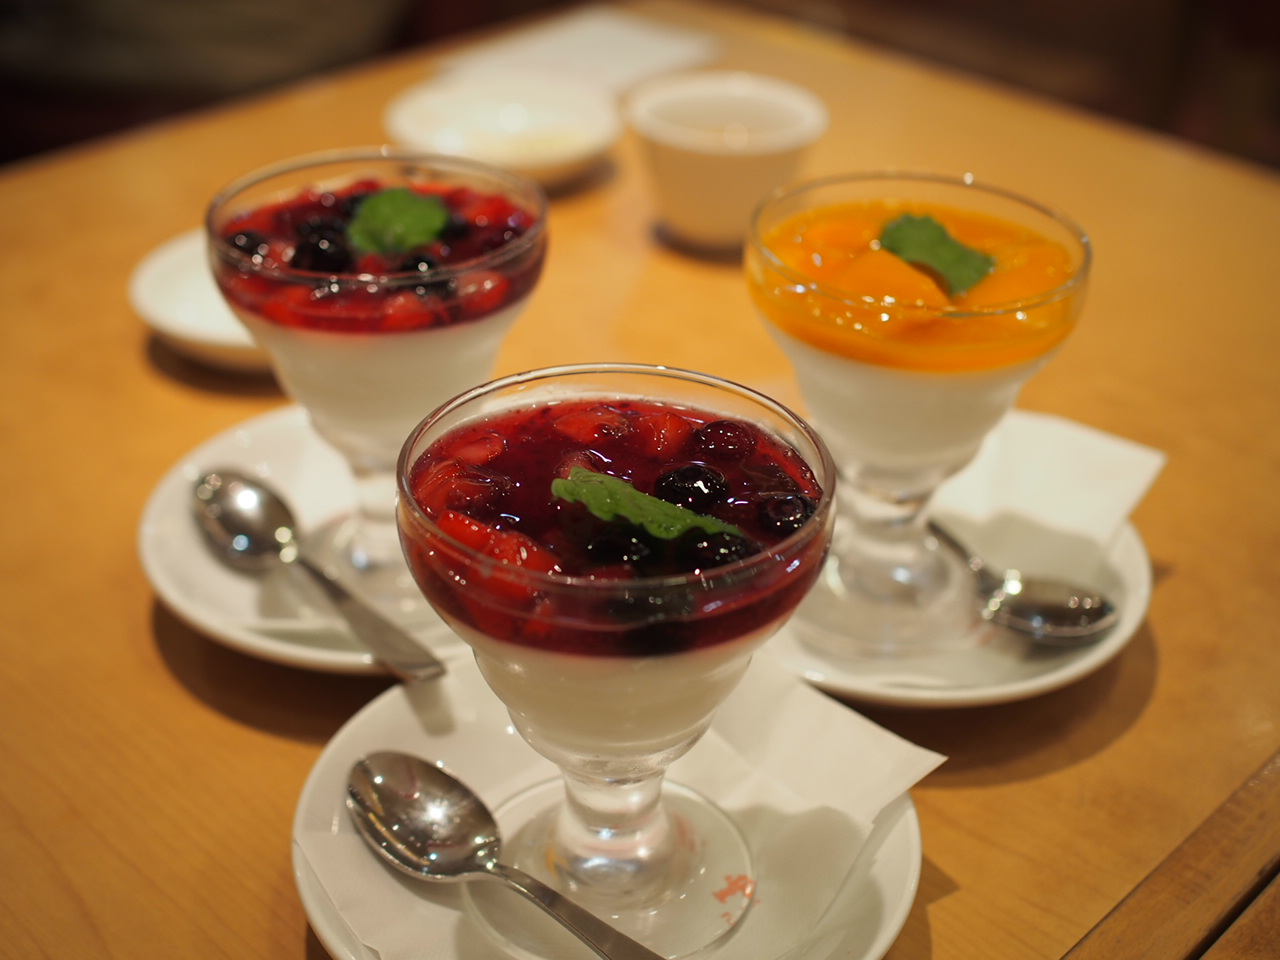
(374, 541)
(898, 561)
(614, 837)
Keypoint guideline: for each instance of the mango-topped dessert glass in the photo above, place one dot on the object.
(614, 542)
(913, 309)
(381, 283)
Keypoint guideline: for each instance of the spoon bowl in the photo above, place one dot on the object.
(427, 824)
(251, 528)
(1050, 612)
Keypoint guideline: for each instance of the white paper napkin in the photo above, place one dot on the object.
(1047, 495)
(803, 776)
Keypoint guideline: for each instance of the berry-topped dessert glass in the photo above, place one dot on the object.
(913, 309)
(615, 541)
(381, 283)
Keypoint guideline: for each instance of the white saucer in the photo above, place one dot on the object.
(548, 128)
(1005, 667)
(172, 289)
(1046, 495)
(461, 724)
(270, 617)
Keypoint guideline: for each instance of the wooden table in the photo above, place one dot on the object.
(148, 776)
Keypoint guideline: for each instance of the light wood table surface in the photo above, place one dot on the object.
(148, 775)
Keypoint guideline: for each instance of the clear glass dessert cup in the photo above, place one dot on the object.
(366, 342)
(904, 392)
(613, 678)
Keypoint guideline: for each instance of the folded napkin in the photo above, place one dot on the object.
(804, 777)
(609, 48)
(1047, 495)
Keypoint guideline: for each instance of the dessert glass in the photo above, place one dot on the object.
(612, 675)
(905, 383)
(365, 341)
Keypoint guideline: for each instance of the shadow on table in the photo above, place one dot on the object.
(304, 705)
(315, 949)
(1029, 738)
(916, 940)
(172, 364)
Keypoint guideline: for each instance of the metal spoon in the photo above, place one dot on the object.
(251, 528)
(429, 825)
(1051, 612)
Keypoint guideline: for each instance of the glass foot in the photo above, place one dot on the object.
(849, 614)
(706, 889)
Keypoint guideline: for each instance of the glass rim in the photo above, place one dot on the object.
(963, 182)
(515, 181)
(807, 117)
(734, 571)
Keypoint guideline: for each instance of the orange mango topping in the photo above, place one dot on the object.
(872, 306)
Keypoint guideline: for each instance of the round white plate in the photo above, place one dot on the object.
(273, 617)
(461, 725)
(1003, 668)
(551, 129)
(172, 289)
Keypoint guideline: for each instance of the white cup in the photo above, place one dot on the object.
(716, 143)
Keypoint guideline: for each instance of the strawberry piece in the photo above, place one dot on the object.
(289, 305)
(663, 434)
(450, 485)
(478, 449)
(406, 310)
(374, 263)
(481, 292)
(511, 550)
(593, 423)
(580, 458)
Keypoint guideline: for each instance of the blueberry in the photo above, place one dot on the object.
(656, 623)
(347, 206)
(694, 486)
(655, 640)
(252, 243)
(784, 512)
(456, 227)
(419, 262)
(424, 263)
(725, 440)
(322, 247)
(699, 550)
(618, 545)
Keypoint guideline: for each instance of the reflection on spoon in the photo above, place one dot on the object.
(251, 528)
(429, 825)
(1048, 611)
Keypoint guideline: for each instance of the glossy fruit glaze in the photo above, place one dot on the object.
(292, 264)
(509, 559)
(871, 306)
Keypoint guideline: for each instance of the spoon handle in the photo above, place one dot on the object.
(609, 943)
(395, 649)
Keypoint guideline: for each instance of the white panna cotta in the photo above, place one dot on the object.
(365, 392)
(612, 707)
(904, 422)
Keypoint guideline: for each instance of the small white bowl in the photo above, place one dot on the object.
(172, 289)
(716, 142)
(550, 129)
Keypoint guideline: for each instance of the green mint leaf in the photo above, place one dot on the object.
(924, 242)
(395, 221)
(611, 497)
